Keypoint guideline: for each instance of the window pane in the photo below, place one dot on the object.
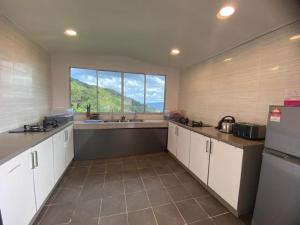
(155, 93)
(83, 89)
(134, 92)
(110, 91)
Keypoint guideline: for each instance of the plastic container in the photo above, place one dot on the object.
(292, 98)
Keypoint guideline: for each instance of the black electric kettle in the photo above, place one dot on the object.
(225, 124)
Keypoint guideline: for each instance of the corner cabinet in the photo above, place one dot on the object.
(228, 172)
(28, 179)
(225, 171)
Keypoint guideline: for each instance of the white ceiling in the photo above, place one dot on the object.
(148, 29)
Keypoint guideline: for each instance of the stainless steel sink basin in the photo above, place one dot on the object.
(123, 121)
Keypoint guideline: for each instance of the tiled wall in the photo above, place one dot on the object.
(259, 74)
(24, 78)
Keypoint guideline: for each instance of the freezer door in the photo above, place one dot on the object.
(283, 131)
(278, 197)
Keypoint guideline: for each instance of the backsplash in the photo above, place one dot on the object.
(244, 81)
(24, 78)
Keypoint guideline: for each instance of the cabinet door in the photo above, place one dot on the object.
(172, 138)
(43, 171)
(59, 153)
(199, 156)
(17, 199)
(183, 146)
(225, 171)
(69, 146)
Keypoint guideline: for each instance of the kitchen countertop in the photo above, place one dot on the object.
(12, 144)
(227, 138)
(81, 125)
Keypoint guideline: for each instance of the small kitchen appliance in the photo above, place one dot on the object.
(225, 124)
(249, 131)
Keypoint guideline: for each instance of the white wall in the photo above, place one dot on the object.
(24, 78)
(259, 75)
(62, 62)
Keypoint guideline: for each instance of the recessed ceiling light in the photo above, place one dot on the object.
(295, 37)
(174, 51)
(227, 60)
(225, 12)
(275, 68)
(70, 32)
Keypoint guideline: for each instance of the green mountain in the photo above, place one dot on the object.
(84, 94)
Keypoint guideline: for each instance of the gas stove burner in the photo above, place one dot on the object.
(45, 127)
(34, 128)
(191, 123)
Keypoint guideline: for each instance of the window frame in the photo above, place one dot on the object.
(122, 89)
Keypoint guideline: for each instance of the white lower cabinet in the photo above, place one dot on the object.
(69, 145)
(172, 138)
(199, 156)
(183, 145)
(43, 171)
(225, 170)
(17, 197)
(59, 154)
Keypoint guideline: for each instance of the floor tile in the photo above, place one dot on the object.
(137, 200)
(211, 205)
(131, 174)
(94, 179)
(65, 195)
(147, 172)
(120, 219)
(133, 185)
(79, 219)
(227, 219)
(99, 162)
(168, 215)
(116, 176)
(113, 205)
(191, 211)
(185, 177)
(82, 163)
(112, 188)
(114, 168)
(176, 168)
(169, 180)
(163, 170)
(203, 222)
(158, 197)
(91, 191)
(88, 208)
(152, 183)
(95, 169)
(195, 189)
(178, 193)
(57, 214)
(141, 217)
(40, 215)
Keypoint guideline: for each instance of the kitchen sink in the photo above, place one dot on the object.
(123, 121)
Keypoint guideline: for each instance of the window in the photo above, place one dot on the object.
(113, 91)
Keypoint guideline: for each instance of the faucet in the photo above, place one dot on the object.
(134, 118)
(123, 118)
(112, 114)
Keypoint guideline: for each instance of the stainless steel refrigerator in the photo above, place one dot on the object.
(278, 197)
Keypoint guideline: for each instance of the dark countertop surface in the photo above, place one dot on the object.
(12, 144)
(227, 138)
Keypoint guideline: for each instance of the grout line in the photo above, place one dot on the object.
(125, 199)
(99, 218)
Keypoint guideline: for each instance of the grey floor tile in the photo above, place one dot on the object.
(57, 214)
(113, 205)
(141, 217)
(137, 200)
(195, 189)
(40, 215)
(163, 170)
(94, 179)
(82, 163)
(79, 219)
(147, 172)
(152, 183)
(65, 195)
(115, 168)
(203, 222)
(120, 219)
(91, 191)
(211, 205)
(95, 169)
(158, 197)
(185, 177)
(72, 181)
(88, 208)
(131, 174)
(169, 180)
(227, 219)
(113, 188)
(99, 162)
(176, 168)
(168, 215)
(178, 193)
(116, 176)
(191, 211)
(133, 185)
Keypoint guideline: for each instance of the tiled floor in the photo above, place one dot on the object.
(138, 190)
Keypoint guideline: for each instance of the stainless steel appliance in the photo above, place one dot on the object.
(191, 123)
(225, 124)
(278, 198)
(44, 127)
(60, 119)
(249, 131)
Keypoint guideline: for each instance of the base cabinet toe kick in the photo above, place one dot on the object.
(28, 179)
(229, 173)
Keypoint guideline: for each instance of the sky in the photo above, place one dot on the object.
(133, 83)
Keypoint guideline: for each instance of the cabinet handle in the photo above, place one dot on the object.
(66, 136)
(36, 160)
(211, 147)
(14, 168)
(207, 143)
(32, 160)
